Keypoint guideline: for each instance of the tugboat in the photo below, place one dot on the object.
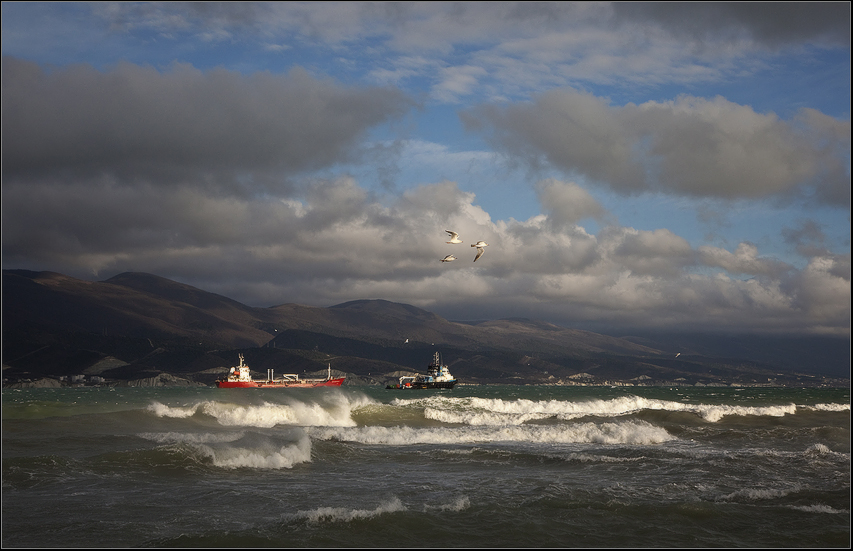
(438, 376)
(239, 377)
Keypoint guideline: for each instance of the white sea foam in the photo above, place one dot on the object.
(162, 410)
(334, 410)
(481, 417)
(820, 508)
(342, 514)
(596, 458)
(190, 437)
(828, 407)
(818, 449)
(259, 456)
(625, 432)
(459, 505)
(492, 411)
(756, 494)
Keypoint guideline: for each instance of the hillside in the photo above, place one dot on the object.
(138, 325)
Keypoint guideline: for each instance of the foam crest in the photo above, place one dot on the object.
(625, 432)
(335, 410)
(459, 505)
(756, 494)
(259, 456)
(828, 407)
(818, 449)
(265, 415)
(486, 411)
(189, 437)
(820, 508)
(717, 412)
(162, 410)
(481, 417)
(342, 514)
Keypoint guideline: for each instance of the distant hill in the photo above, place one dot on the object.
(138, 325)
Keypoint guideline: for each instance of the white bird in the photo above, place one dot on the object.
(677, 355)
(454, 237)
(448, 258)
(480, 244)
(480, 251)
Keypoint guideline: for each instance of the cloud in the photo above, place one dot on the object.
(521, 47)
(743, 261)
(566, 202)
(183, 124)
(337, 242)
(771, 24)
(689, 146)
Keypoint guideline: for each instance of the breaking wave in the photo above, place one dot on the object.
(262, 457)
(240, 450)
(342, 514)
(626, 432)
(820, 509)
(334, 411)
(495, 411)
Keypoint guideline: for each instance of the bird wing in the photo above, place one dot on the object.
(480, 251)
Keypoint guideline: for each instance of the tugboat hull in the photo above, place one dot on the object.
(438, 376)
(447, 384)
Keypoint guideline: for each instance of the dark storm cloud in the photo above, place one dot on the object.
(770, 23)
(138, 122)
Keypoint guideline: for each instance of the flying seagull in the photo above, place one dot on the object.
(454, 237)
(480, 249)
(448, 258)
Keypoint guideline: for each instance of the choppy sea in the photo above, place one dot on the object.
(476, 466)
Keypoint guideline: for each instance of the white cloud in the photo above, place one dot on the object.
(337, 243)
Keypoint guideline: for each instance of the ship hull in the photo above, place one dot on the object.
(279, 384)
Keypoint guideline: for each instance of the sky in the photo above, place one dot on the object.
(655, 166)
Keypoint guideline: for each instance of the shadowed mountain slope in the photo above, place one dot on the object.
(134, 324)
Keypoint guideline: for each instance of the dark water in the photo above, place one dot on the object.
(478, 466)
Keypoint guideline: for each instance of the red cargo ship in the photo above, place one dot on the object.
(239, 377)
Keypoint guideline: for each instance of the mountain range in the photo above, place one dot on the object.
(138, 325)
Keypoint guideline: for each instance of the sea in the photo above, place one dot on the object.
(474, 466)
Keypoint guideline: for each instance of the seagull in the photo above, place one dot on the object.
(480, 251)
(454, 237)
(480, 244)
(448, 258)
(677, 355)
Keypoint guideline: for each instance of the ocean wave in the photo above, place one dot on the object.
(189, 437)
(335, 410)
(481, 417)
(342, 514)
(238, 449)
(757, 494)
(495, 411)
(460, 504)
(626, 432)
(268, 456)
(827, 407)
(820, 508)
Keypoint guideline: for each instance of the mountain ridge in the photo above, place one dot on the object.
(55, 324)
